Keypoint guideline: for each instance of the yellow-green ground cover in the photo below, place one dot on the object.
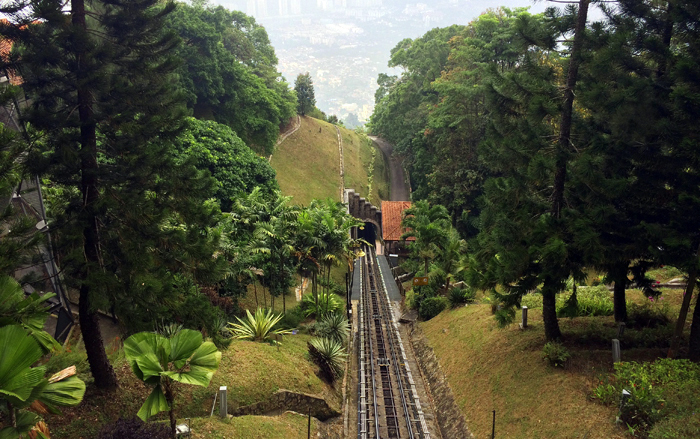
(251, 371)
(490, 368)
(286, 426)
(308, 162)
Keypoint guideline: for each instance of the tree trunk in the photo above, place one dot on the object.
(685, 306)
(167, 385)
(101, 369)
(694, 345)
(549, 312)
(255, 290)
(683, 314)
(564, 140)
(619, 275)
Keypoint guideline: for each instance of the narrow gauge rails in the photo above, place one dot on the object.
(388, 404)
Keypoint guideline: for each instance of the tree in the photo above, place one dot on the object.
(236, 168)
(159, 362)
(306, 101)
(430, 226)
(229, 73)
(100, 77)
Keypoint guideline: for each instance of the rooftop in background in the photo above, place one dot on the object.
(392, 214)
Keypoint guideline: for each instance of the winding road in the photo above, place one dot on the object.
(399, 186)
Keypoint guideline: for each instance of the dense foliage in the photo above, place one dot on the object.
(557, 145)
(235, 167)
(229, 73)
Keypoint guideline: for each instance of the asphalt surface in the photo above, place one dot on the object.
(399, 187)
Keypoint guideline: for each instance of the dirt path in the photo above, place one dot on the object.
(399, 187)
(286, 134)
(342, 163)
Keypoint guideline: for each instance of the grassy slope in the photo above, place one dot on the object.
(287, 426)
(502, 369)
(252, 371)
(307, 164)
(490, 368)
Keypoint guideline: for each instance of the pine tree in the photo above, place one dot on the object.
(99, 76)
(305, 93)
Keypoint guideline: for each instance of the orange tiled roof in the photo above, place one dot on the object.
(5, 50)
(392, 213)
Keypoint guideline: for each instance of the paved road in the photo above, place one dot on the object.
(399, 187)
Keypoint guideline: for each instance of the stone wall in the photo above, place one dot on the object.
(450, 419)
(362, 209)
(288, 400)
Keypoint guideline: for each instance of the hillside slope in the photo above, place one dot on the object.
(308, 164)
(502, 369)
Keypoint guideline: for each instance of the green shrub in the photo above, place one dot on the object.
(292, 318)
(555, 353)
(647, 315)
(460, 296)
(330, 357)
(532, 300)
(659, 391)
(333, 326)
(431, 307)
(590, 301)
(258, 327)
(68, 357)
(327, 303)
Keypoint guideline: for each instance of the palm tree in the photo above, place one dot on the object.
(429, 225)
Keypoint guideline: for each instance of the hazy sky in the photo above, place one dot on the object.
(344, 44)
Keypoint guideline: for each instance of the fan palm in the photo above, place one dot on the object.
(22, 386)
(159, 361)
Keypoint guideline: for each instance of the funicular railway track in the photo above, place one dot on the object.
(388, 404)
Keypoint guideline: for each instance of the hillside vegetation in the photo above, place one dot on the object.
(308, 164)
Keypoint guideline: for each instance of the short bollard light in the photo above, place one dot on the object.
(223, 402)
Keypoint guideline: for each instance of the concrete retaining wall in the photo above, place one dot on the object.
(287, 400)
(450, 419)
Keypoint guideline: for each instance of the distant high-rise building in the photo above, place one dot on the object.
(284, 7)
(364, 3)
(250, 8)
(261, 8)
(295, 7)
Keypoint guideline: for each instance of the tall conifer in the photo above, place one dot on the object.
(101, 89)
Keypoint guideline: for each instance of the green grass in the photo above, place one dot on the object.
(308, 162)
(254, 371)
(251, 371)
(358, 154)
(502, 369)
(286, 426)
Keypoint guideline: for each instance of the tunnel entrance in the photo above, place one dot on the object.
(368, 232)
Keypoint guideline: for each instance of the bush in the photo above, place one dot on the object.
(334, 327)
(460, 296)
(329, 356)
(590, 301)
(556, 354)
(327, 303)
(134, 428)
(431, 307)
(659, 391)
(292, 318)
(648, 315)
(258, 327)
